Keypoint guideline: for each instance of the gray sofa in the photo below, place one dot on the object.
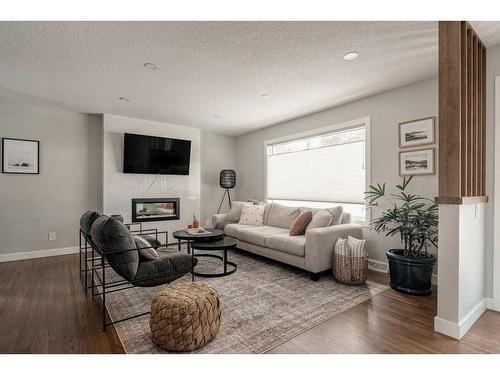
(311, 252)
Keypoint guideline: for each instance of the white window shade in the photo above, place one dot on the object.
(326, 168)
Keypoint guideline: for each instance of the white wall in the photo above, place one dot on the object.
(492, 70)
(69, 182)
(386, 111)
(217, 152)
(472, 251)
(461, 280)
(494, 252)
(119, 188)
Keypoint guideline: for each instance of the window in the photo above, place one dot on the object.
(320, 170)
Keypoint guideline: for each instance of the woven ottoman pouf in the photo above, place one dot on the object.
(185, 317)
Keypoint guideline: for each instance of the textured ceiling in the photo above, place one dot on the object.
(211, 74)
(488, 31)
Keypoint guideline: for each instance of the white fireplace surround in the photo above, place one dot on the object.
(118, 188)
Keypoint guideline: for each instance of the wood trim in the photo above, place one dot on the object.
(461, 200)
(480, 166)
(483, 124)
(450, 176)
(463, 108)
(468, 98)
(462, 111)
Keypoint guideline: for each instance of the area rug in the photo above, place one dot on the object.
(263, 303)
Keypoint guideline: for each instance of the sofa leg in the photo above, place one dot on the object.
(314, 276)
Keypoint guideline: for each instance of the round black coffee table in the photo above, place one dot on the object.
(211, 235)
(221, 245)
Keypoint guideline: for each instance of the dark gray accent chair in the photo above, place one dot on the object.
(117, 244)
(155, 242)
(87, 219)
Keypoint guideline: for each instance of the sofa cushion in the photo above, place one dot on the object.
(336, 213)
(257, 235)
(168, 267)
(267, 210)
(294, 245)
(320, 219)
(282, 216)
(232, 229)
(346, 218)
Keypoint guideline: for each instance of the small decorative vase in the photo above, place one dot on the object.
(196, 223)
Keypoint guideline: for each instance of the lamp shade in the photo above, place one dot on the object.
(227, 179)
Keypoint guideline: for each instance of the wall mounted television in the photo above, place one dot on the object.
(155, 155)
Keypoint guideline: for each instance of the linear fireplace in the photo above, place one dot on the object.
(155, 209)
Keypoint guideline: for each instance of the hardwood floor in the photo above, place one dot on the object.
(43, 309)
(392, 322)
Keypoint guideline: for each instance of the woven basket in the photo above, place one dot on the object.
(185, 317)
(350, 270)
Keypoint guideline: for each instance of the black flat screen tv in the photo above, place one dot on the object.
(155, 155)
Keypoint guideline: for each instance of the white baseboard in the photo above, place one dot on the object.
(491, 305)
(458, 330)
(38, 254)
(378, 266)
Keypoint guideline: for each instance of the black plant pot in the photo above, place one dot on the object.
(411, 275)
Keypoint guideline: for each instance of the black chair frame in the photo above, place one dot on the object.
(85, 248)
(98, 265)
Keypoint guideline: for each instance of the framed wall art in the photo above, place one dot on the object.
(20, 156)
(416, 162)
(417, 132)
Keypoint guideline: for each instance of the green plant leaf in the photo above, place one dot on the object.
(413, 218)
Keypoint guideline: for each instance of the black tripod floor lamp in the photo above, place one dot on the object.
(227, 180)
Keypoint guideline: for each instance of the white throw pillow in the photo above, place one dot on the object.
(341, 246)
(356, 247)
(320, 219)
(150, 253)
(252, 215)
(235, 211)
(336, 213)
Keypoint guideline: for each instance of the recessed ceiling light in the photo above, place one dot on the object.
(350, 56)
(265, 96)
(150, 66)
(123, 99)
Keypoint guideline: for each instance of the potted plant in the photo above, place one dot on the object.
(414, 219)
